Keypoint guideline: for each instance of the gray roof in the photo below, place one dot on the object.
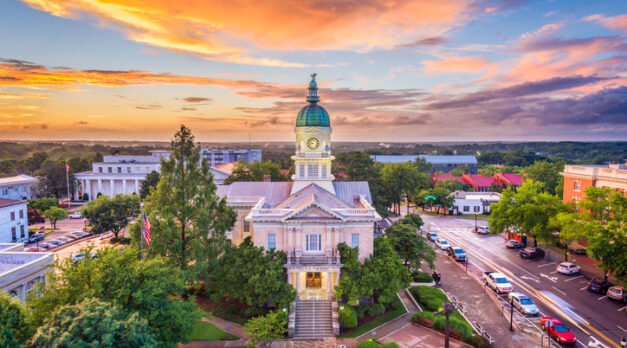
(428, 158)
(12, 260)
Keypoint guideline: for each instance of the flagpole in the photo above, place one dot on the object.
(141, 237)
(67, 179)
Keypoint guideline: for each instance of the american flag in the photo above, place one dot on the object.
(147, 232)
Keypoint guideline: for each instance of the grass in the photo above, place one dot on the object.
(384, 318)
(204, 331)
(472, 217)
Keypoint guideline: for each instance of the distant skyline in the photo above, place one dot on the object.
(414, 71)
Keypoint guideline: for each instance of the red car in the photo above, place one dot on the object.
(32, 250)
(557, 330)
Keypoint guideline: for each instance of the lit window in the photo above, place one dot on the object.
(355, 240)
(313, 242)
(271, 241)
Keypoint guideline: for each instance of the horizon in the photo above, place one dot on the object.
(414, 72)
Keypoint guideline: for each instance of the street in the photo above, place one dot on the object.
(595, 320)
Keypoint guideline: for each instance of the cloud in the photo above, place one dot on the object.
(187, 109)
(22, 96)
(81, 123)
(457, 64)
(544, 30)
(427, 41)
(599, 43)
(618, 23)
(196, 99)
(230, 30)
(148, 107)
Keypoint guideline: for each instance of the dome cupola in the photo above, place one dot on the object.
(313, 115)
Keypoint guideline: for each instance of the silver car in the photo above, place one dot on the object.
(523, 303)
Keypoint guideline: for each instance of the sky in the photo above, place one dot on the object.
(388, 70)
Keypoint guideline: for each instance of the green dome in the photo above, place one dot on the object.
(313, 115)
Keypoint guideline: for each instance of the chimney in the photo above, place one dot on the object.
(267, 178)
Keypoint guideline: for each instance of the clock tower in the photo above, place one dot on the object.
(312, 158)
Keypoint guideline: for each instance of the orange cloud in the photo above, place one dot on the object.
(456, 64)
(230, 30)
(615, 23)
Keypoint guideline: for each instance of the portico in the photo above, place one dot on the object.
(313, 282)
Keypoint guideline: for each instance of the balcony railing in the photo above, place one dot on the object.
(297, 258)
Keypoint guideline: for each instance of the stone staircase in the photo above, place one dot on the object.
(312, 320)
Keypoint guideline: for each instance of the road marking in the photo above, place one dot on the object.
(567, 280)
(553, 279)
(563, 293)
(602, 297)
(595, 343)
(584, 288)
(529, 278)
(553, 272)
(547, 264)
(621, 328)
(622, 308)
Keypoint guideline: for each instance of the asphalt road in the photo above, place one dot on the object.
(595, 320)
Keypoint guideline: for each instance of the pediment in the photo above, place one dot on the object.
(313, 212)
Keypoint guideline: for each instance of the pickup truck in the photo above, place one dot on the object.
(497, 282)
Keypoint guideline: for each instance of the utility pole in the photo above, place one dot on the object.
(447, 308)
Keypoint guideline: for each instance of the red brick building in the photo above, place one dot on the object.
(577, 178)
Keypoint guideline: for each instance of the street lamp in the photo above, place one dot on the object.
(341, 318)
(476, 221)
(511, 314)
(447, 308)
(284, 314)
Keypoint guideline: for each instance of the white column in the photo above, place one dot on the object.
(124, 186)
(99, 186)
(329, 289)
(111, 181)
(137, 186)
(297, 284)
(88, 189)
(289, 277)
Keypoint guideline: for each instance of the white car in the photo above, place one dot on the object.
(498, 282)
(568, 268)
(442, 244)
(522, 303)
(76, 215)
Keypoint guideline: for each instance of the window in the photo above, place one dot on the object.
(100, 169)
(323, 174)
(577, 186)
(466, 208)
(313, 242)
(21, 214)
(476, 207)
(119, 169)
(312, 171)
(5, 192)
(13, 233)
(355, 240)
(271, 241)
(110, 169)
(128, 169)
(22, 231)
(12, 216)
(301, 170)
(246, 226)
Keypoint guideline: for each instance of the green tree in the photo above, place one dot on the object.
(452, 185)
(403, 180)
(78, 164)
(410, 246)
(151, 288)
(188, 220)
(254, 276)
(459, 171)
(547, 173)
(263, 330)
(349, 287)
(151, 181)
(256, 171)
(55, 181)
(12, 321)
(438, 196)
(384, 272)
(111, 214)
(422, 165)
(54, 214)
(43, 204)
(34, 162)
(412, 219)
(93, 323)
(529, 210)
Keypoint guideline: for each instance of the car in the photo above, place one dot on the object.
(35, 237)
(522, 303)
(64, 240)
(598, 285)
(514, 244)
(479, 230)
(80, 257)
(76, 215)
(32, 250)
(617, 293)
(497, 282)
(568, 268)
(432, 236)
(55, 242)
(487, 229)
(557, 330)
(79, 234)
(532, 253)
(442, 244)
(457, 253)
(46, 246)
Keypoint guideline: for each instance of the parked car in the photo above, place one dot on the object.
(617, 293)
(442, 244)
(479, 230)
(35, 237)
(80, 257)
(79, 234)
(76, 215)
(55, 242)
(568, 268)
(532, 253)
(432, 236)
(522, 303)
(557, 330)
(514, 244)
(64, 240)
(457, 253)
(598, 285)
(497, 282)
(46, 246)
(32, 250)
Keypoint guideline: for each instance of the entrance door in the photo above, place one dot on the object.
(314, 280)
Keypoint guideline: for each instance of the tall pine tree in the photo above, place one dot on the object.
(188, 219)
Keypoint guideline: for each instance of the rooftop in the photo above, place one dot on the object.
(8, 202)
(11, 261)
(17, 180)
(429, 158)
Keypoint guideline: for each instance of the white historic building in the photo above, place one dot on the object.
(474, 202)
(20, 271)
(13, 221)
(309, 216)
(17, 187)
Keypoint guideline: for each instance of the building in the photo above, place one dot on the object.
(17, 187)
(125, 173)
(481, 183)
(474, 202)
(443, 164)
(13, 221)
(215, 157)
(577, 178)
(20, 271)
(309, 216)
(509, 180)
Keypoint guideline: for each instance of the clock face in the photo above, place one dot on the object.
(313, 143)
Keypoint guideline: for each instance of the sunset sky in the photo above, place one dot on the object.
(429, 70)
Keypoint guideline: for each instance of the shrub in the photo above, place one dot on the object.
(426, 315)
(390, 344)
(376, 309)
(368, 344)
(479, 342)
(465, 331)
(421, 277)
(428, 297)
(120, 240)
(349, 317)
(361, 309)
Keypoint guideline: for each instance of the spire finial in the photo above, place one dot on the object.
(313, 76)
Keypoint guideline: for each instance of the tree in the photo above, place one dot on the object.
(438, 196)
(384, 272)
(151, 181)
(151, 288)
(528, 210)
(12, 321)
(111, 214)
(255, 171)
(93, 323)
(254, 276)
(54, 214)
(264, 330)
(43, 204)
(422, 165)
(459, 171)
(412, 219)
(55, 178)
(547, 173)
(188, 219)
(410, 246)
(403, 180)
(451, 185)
(349, 288)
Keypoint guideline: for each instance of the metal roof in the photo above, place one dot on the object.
(17, 180)
(445, 159)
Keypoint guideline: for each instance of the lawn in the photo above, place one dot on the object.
(204, 331)
(378, 321)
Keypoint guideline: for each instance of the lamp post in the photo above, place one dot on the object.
(447, 308)
(511, 314)
(476, 221)
(284, 317)
(341, 318)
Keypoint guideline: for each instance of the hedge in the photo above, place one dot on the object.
(368, 344)
(390, 344)
(421, 277)
(429, 297)
(426, 315)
